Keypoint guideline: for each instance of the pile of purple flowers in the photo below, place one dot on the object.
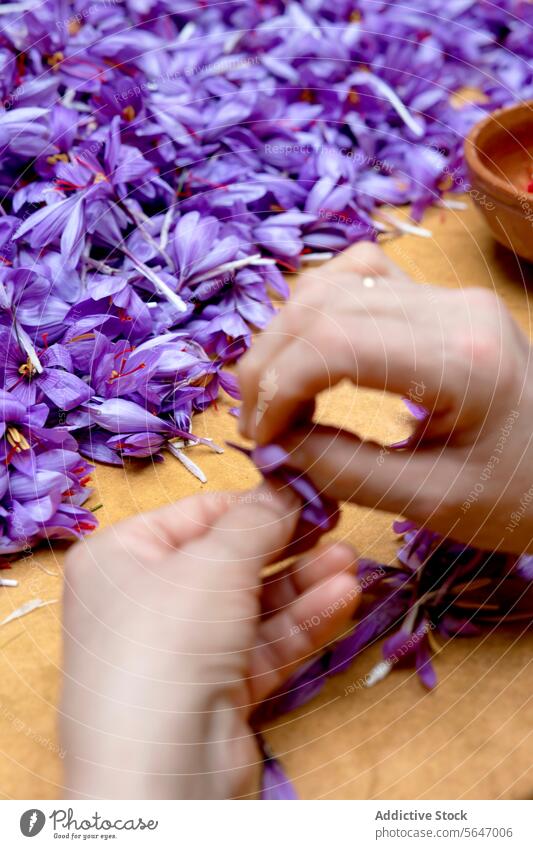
(162, 162)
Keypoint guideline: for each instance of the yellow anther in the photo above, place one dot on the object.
(57, 157)
(17, 440)
(128, 113)
(27, 369)
(55, 59)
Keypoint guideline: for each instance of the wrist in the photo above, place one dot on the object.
(153, 741)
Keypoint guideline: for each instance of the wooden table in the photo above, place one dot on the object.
(470, 738)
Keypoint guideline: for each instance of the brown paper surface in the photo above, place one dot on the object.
(470, 738)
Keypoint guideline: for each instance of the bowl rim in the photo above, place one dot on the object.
(511, 193)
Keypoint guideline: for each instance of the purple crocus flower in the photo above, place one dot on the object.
(28, 295)
(281, 234)
(49, 377)
(92, 187)
(198, 248)
(137, 432)
(43, 480)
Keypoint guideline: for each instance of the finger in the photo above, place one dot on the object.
(376, 352)
(251, 534)
(316, 288)
(369, 259)
(341, 466)
(257, 382)
(166, 528)
(282, 588)
(292, 635)
(308, 534)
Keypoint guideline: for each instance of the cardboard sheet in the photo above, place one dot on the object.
(471, 738)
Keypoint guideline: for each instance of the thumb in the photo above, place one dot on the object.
(252, 533)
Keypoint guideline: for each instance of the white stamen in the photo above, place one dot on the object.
(382, 228)
(378, 673)
(102, 266)
(27, 607)
(262, 260)
(165, 229)
(85, 257)
(25, 341)
(68, 97)
(213, 446)
(256, 259)
(384, 89)
(197, 440)
(405, 226)
(187, 462)
(317, 257)
(186, 33)
(81, 107)
(452, 204)
(8, 582)
(232, 41)
(159, 284)
(4, 300)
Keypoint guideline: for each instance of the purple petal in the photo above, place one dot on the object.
(275, 785)
(376, 621)
(121, 416)
(424, 666)
(65, 390)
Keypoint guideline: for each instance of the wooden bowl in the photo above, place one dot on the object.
(499, 161)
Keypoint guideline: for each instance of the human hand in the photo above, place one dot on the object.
(466, 471)
(171, 639)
